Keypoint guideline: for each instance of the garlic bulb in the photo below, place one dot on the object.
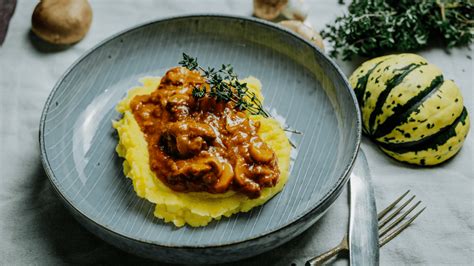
(268, 9)
(271, 9)
(304, 31)
(295, 10)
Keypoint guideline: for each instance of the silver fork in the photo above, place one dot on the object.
(386, 231)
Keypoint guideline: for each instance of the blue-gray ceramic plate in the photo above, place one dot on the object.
(304, 86)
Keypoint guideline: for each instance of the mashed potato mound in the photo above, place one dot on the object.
(194, 208)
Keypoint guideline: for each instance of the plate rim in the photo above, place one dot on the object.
(327, 199)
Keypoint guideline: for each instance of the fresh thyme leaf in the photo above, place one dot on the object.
(241, 105)
(188, 62)
(198, 92)
(375, 27)
(224, 86)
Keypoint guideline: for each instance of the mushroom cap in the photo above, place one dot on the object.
(268, 9)
(61, 21)
(304, 31)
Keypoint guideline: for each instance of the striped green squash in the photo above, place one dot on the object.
(411, 112)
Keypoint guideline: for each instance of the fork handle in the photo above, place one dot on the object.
(319, 260)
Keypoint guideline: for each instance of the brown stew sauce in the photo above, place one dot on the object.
(202, 144)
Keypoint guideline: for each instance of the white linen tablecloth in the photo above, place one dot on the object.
(36, 229)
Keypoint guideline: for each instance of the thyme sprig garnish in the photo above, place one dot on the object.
(224, 86)
(375, 27)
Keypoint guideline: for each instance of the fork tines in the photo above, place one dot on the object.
(387, 230)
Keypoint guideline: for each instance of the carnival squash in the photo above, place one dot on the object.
(409, 109)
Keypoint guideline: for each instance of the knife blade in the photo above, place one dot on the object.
(363, 225)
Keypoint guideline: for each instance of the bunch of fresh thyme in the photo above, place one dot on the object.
(375, 27)
(225, 86)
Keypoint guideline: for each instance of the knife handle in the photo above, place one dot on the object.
(319, 260)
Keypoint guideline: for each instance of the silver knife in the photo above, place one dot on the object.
(363, 227)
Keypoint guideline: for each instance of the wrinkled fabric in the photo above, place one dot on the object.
(36, 229)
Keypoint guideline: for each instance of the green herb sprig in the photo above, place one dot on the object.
(375, 27)
(224, 86)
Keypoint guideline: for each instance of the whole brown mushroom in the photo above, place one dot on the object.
(62, 21)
